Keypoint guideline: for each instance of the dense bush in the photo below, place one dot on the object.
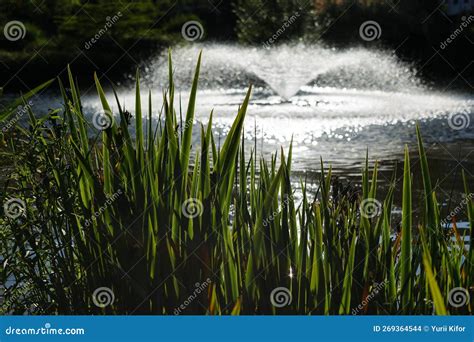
(170, 227)
(259, 21)
(58, 32)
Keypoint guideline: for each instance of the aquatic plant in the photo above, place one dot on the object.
(112, 224)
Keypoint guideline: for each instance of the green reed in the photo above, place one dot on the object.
(152, 216)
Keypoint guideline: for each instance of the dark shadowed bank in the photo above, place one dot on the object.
(114, 37)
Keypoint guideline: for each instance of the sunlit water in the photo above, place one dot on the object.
(333, 103)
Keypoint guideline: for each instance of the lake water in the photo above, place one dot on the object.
(334, 104)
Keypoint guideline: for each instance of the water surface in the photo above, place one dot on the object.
(334, 104)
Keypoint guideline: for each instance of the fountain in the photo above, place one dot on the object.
(287, 68)
(333, 103)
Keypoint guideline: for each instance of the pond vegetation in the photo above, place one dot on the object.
(154, 218)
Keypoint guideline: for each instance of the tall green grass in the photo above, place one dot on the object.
(153, 217)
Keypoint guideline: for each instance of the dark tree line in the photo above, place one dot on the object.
(64, 31)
